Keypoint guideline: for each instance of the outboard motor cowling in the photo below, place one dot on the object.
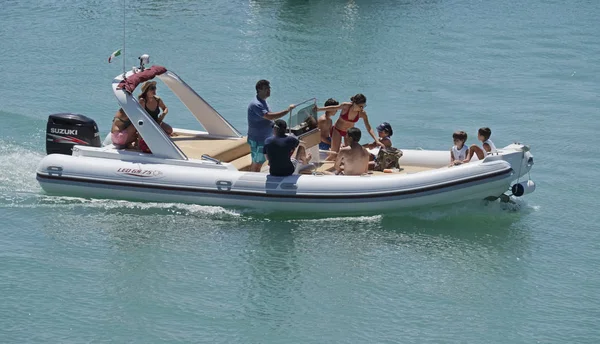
(65, 130)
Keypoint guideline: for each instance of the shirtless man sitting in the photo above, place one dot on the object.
(354, 157)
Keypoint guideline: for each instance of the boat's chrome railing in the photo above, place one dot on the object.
(210, 158)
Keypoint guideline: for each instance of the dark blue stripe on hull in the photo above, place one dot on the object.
(277, 194)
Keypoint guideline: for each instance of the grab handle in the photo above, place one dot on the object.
(210, 158)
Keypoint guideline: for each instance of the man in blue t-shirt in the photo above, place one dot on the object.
(260, 123)
(279, 149)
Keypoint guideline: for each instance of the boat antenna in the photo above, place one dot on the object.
(124, 40)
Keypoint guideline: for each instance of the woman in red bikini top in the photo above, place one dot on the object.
(351, 113)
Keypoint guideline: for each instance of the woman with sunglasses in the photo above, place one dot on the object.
(153, 104)
(351, 112)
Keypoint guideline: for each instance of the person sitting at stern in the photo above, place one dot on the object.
(153, 104)
(122, 133)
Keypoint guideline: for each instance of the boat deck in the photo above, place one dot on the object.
(328, 167)
(225, 150)
(237, 152)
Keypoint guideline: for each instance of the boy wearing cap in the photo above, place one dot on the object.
(384, 131)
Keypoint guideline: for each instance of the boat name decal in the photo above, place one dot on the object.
(139, 173)
(63, 131)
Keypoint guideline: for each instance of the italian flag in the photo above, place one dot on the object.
(113, 55)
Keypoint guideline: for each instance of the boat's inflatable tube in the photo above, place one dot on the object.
(207, 183)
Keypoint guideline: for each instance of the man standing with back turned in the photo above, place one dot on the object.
(260, 123)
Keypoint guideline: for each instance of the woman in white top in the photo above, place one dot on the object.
(459, 151)
(483, 135)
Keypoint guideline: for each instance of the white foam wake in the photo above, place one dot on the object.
(18, 166)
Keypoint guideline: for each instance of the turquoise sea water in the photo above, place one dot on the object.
(80, 270)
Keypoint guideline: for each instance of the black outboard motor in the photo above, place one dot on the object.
(66, 130)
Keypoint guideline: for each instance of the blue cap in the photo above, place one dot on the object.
(385, 126)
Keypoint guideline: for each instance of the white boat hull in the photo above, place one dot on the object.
(170, 174)
(207, 183)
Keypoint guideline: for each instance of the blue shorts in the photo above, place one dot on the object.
(325, 146)
(257, 151)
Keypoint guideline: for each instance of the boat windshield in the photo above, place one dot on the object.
(301, 114)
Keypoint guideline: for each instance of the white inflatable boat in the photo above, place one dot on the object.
(210, 167)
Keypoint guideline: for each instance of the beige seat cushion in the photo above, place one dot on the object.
(224, 150)
(243, 163)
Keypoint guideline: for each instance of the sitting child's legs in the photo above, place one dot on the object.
(475, 149)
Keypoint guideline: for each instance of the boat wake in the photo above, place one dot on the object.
(19, 189)
(29, 200)
(336, 220)
(18, 168)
